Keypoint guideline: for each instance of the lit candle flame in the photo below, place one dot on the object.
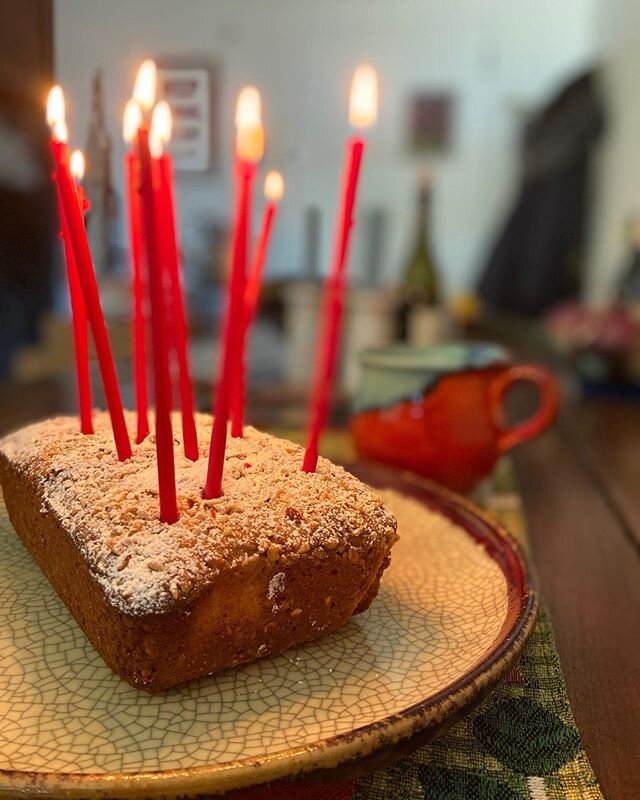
(249, 130)
(56, 114)
(144, 89)
(162, 121)
(77, 165)
(55, 105)
(363, 102)
(60, 131)
(248, 107)
(131, 120)
(274, 186)
(156, 146)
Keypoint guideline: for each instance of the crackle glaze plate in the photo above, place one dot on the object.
(454, 611)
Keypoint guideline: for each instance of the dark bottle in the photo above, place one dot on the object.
(421, 274)
(420, 285)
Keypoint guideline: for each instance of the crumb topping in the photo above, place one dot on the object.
(270, 508)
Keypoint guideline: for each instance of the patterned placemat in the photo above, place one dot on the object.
(521, 743)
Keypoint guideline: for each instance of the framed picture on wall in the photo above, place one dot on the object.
(188, 92)
(430, 122)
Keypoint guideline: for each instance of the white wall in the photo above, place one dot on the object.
(489, 53)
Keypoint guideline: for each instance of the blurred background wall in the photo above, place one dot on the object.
(617, 173)
(496, 58)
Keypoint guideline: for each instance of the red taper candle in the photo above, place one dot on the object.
(362, 113)
(254, 280)
(162, 385)
(144, 93)
(78, 312)
(249, 150)
(131, 122)
(232, 342)
(273, 190)
(161, 127)
(239, 368)
(86, 274)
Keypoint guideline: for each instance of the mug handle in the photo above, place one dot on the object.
(549, 394)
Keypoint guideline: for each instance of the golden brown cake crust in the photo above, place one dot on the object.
(282, 558)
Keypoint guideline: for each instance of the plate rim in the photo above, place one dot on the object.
(426, 717)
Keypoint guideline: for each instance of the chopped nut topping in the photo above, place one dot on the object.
(293, 514)
(273, 553)
(123, 561)
(270, 508)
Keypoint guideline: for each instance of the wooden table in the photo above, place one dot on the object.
(580, 484)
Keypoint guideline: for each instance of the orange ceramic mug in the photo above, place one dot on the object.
(439, 411)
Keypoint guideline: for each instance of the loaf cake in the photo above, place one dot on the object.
(282, 558)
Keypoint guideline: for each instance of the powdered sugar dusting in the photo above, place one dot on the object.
(276, 585)
(270, 508)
